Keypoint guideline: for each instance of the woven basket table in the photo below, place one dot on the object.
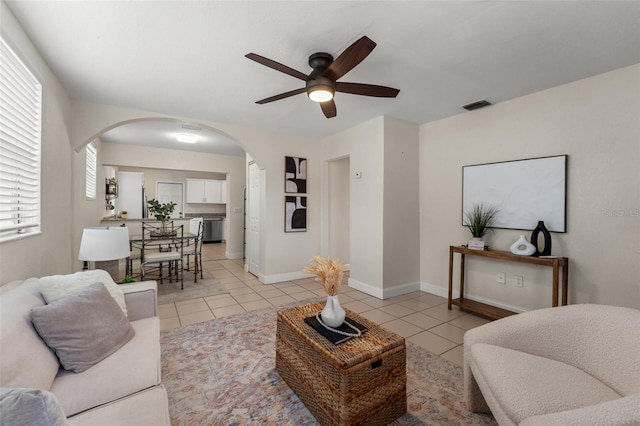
(361, 381)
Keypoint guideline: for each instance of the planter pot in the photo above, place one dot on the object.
(476, 243)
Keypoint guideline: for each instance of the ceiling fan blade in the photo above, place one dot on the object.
(351, 57)
(329, 108)
(281, 96)
(367, 90)
(277, 66)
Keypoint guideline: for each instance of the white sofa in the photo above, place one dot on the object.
(570, 365)
(122, 389)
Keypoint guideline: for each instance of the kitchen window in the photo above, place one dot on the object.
(20, 132)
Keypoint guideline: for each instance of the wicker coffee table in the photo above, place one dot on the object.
(361, 381)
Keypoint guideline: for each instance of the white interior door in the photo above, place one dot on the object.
(253, 200)
(171, 191)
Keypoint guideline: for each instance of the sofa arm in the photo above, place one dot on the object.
(141, 299)
(617, 412)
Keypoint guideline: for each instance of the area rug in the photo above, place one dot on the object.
(222, 372)
(171, 292)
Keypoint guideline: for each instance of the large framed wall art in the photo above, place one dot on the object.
(524, 191)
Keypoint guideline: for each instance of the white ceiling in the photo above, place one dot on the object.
(186, 58)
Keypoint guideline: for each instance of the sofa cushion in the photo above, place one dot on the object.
(83, 328)
(149, 407)
(526, 385)
(56, 287)
(25, 360)
(28, 407)
(133, 367)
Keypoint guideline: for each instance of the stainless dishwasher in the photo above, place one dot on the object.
(212, 230)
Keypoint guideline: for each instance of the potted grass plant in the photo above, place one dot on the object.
(479, 219)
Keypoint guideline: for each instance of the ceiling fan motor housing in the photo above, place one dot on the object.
(320, 60)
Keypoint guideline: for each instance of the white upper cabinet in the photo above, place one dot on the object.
(206, 191)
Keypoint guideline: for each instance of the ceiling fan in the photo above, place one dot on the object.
(321, 83)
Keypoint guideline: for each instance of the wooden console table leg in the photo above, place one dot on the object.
(462, 267)
(565, 282)
(554, 300)
(450, 277)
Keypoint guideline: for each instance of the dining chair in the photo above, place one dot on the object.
(194, 247)
(158, 249)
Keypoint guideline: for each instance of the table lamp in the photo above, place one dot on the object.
(105, 246)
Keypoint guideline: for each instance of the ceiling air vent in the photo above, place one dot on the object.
(476, 105)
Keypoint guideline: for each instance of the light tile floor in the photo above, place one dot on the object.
(421, 318)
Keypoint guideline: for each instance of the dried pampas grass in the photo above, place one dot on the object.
(328, 271)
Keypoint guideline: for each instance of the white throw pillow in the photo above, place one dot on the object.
(56, 287)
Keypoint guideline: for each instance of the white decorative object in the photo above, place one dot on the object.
(523, 247)
(333, 315)
(476, 243)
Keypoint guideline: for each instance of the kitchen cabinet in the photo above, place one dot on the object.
(206, 191)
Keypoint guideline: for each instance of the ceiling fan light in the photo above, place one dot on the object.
(320, 94)
(186, 138)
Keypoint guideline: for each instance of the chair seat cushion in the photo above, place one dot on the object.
(161, 256)
(526, 385)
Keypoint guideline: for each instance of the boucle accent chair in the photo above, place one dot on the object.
(569, 365)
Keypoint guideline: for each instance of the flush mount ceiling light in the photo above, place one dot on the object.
(320, 90)
(186, 138)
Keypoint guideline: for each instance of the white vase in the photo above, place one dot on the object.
(333, 315)
(523, 247)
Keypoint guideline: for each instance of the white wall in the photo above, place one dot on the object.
(51, 251)
(364, 144)
(338, 209)
(384, 239)
(596, 121)
(401, 202)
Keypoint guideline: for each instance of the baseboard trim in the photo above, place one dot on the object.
(278, 278)
(233, 256)
(444, 292)
(384, 293)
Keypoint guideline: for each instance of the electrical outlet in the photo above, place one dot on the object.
(501, 278)
(519, 281)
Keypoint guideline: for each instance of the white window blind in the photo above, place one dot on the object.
(91, 170)
(20, 126)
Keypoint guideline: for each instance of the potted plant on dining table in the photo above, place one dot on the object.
(162, 212)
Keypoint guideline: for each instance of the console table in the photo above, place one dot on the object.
(493, 311)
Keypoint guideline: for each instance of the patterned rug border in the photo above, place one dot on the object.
(222, 371)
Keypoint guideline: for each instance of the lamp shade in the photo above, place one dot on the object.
(104, 243)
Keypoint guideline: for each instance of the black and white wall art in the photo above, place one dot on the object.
(295, 175)
(295, 217)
